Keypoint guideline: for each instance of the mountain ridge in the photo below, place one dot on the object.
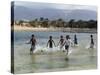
(27, 13)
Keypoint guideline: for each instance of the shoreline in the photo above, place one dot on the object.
(78, 30)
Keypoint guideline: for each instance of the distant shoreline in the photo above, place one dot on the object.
(78, 30)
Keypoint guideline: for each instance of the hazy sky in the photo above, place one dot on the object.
(54, 6)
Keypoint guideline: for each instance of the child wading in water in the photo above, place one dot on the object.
(33, 43)
(75, 40)
(61, 41)
(50, 42)
(92, 42)
(67, 43)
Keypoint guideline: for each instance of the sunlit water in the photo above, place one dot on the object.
(80, 58)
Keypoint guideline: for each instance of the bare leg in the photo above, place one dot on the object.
(67, 51)
(30, 50)
(63, 50)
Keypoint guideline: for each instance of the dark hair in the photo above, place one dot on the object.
(50, 36)
(32, 35)
(91, 35)
(67, 36)
(61, 36)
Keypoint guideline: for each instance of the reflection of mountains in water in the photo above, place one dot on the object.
(27, 13)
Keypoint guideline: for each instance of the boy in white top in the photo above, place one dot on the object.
(67, 43)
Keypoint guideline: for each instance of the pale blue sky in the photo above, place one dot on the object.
(55, 6)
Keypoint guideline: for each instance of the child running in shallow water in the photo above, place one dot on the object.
(92, 42)
(75, 40)
(67, 43)
(50, 42)
(61, 42)
(33, 43)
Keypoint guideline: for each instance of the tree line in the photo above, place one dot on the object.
(45, 22)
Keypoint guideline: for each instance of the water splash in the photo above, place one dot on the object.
(88, 46)
(54, 49)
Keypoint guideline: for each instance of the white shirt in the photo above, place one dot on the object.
(68, 42)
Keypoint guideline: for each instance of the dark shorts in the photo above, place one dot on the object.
(66, 47)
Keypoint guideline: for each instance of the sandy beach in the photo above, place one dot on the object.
(25, 28)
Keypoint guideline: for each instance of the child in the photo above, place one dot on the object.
(67, 43)
(75, 40)
(50, 42)
(33, 43)
(61, 41)
(92, 42)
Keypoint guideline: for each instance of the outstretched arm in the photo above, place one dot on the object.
(58, 43)
(72, 43)
(63, 44)
(29, 42)
(54, 43)
(47, 43)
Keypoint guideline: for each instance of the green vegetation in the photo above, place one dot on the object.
(45, 22)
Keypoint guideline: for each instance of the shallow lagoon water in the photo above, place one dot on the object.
(81, 58)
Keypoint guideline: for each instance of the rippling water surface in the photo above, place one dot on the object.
(80, 58)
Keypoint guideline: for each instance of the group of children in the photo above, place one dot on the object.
(62, 42)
